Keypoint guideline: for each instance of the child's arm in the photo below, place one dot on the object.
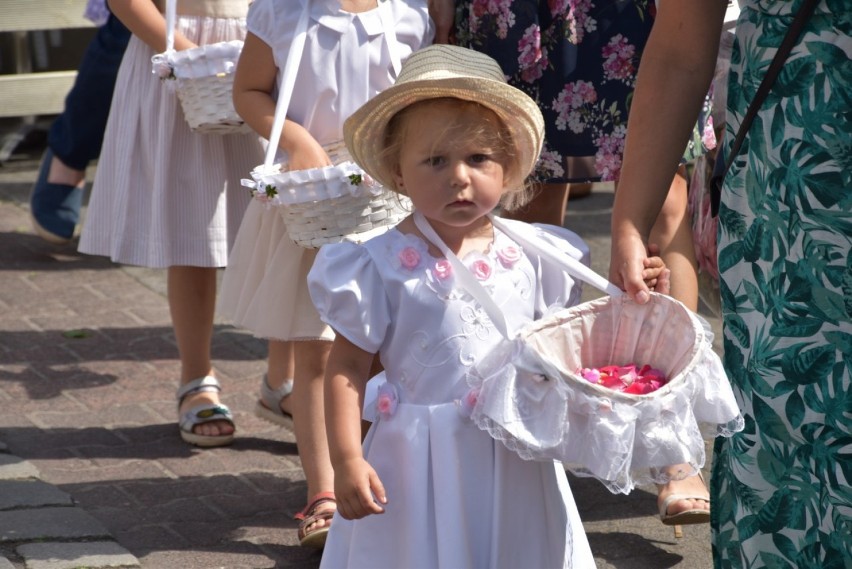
(355, 481)
(443, 14)
(254, 83)
(147, 23)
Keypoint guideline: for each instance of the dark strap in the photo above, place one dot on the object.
(806, 9)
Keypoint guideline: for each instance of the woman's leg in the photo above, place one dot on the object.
(547, 206)
(192, 302)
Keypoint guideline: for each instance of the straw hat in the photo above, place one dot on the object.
(445, 71)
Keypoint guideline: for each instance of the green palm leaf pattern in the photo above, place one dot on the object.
(782, 488)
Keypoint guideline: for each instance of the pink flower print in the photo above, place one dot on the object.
(574, 97)
(387, 401)
(509, 255)
(409, 258)
(549, 165)
(610, 151)
(481, 269)
(618, 60)
(531, 58)
(708, 137)
(443, 270)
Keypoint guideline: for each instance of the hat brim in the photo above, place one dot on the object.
(364, 130)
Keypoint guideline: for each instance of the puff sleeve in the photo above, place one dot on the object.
(348, 292)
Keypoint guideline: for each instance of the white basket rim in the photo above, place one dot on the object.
(313, 184)
(599, 305)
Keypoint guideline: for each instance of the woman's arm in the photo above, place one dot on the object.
(355, 481)
(254, 83)
(674, 75)
(147, 23)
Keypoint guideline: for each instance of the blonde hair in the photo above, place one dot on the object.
(491, 132)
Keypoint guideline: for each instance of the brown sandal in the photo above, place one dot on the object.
(316, 536)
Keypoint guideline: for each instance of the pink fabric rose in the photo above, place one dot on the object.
(468, 402)
(509, 255)
(387, 401)
(481, 269)
(443, 270)
(409, 258)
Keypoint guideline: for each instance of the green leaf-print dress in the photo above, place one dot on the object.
(782, 488)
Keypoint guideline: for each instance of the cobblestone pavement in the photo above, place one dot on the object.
(92, 470)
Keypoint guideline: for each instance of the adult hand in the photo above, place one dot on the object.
(443, 14)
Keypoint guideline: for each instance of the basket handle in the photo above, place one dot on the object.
(171, 19)
(531, 242)
(288, 81)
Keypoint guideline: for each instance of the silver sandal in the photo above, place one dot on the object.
(268, 407)
(203, 413)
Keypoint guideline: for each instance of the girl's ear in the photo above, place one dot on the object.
(397, 180)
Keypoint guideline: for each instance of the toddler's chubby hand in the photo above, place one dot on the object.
(304, 153)
(355, 484)
(656, 275)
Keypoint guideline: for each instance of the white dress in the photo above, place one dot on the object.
(347, 59)
(163, 195)
(457, 497)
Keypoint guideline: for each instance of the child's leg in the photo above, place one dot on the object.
(192, 302)
(280, 367)
(309, 420)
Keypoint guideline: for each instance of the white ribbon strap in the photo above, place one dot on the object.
(288, 81)
(572, 266)
(466, 278)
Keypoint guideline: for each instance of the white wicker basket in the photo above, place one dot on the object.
(331, 204)
(203, 78)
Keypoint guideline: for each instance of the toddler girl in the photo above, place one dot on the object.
(429, 488)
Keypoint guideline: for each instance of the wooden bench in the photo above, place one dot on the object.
(25, 93)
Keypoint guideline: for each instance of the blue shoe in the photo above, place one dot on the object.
(54, 208)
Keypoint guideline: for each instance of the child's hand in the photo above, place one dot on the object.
(355, 483)
(304, 152)
(655, 274)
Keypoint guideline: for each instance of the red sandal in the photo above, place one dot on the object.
(316, 536)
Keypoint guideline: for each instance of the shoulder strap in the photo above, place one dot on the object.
(805, 11)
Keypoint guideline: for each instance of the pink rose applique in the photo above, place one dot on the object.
(443, 270)
(509, 255)
(409, 258)
(481, 269)
(468, 402)
(387, 401)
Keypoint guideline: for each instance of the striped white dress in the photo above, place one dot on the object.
(165, 196)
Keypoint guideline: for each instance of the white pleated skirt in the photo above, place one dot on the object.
(265, 288)
(165, 196)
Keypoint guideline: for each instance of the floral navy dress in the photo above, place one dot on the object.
(781, 487)
(578, 60)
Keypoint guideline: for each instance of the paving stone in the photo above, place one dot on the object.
(31, 494)
(91, 554)
(14, 467)
(49, 523)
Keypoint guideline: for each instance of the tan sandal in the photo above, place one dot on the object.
(315, 537)
(693, 516)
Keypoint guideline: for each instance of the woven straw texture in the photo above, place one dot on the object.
(204, 80)
(331, 204)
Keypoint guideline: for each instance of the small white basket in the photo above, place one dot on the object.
(331, 204)
(203, 78)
